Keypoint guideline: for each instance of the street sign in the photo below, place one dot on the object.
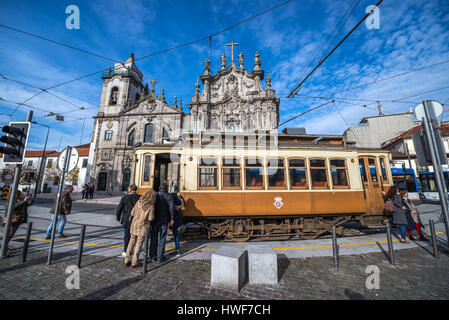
(74, 156)
(434, 107)
(8, 176)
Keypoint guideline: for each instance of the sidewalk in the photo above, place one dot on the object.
(416, 275)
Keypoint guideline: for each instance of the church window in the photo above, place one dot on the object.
(131, 138)
(114, 96)
(149, 128)
(108, 135)
(164, 134)
(207, 173)
(231, 127)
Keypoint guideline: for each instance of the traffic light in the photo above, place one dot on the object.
(15, 142)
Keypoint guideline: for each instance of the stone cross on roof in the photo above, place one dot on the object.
(232, 44)
(153, 83)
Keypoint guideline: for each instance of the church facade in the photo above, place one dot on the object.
(132, 115)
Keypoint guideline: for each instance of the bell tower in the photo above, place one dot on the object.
(122, 87)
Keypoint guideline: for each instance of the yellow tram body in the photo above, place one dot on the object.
(272, 208)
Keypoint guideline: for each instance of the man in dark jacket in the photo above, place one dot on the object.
(123, 213)
(65, 206)
(164, 210)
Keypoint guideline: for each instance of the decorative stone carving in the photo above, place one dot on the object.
(223, 61)
(257, 62)
(109, 125)
(241, 60)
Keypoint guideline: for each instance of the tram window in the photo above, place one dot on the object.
(318, 173)
(297, 170)
(276, 173)
(254, 173)
(382, 167)
(231, 173)
(373, 169)
(339, 173)
(146, 168)
(362, 170)
(208, 173)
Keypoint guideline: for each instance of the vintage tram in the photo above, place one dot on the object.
(278, 187)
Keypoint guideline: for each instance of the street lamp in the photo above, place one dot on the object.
(39, 176)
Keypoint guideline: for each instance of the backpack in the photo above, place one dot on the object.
(389, 207)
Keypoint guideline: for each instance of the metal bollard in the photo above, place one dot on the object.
(81, 245)
(390, 244)
(335, 248)
(434, 239)
(27, 241)
(145, 256)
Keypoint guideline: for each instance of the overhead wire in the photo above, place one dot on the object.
(168, 49)
(296, 89)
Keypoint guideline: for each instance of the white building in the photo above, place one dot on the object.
(50, 179)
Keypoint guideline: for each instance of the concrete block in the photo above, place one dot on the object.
(262, 265)
(229, 269)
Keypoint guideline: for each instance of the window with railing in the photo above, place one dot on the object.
(231, 173)
(207, 173)
(318, 173)
(254, 173)
(298, 173)
(276, 173)
(108, 135)
(339, 173)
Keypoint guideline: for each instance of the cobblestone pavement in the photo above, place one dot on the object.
(416, 275)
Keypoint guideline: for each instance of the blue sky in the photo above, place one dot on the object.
(412, 34)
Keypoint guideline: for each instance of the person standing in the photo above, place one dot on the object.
(84, 192)
(179, 204)
(90, 190)
(110, 188)
(412, 215)
(19, 214)
(65, 207)
(123, 213)
(164, 210)
(156, 180)
(142, 214)
(399, 217)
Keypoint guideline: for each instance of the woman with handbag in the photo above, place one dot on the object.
(141, 216)
(19, 215)
(398, 213)
(413, 219)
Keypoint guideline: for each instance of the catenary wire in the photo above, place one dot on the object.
(165, 50)
(296, 89)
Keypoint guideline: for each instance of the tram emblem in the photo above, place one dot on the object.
(278, 202)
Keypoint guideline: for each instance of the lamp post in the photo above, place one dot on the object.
(39, 176)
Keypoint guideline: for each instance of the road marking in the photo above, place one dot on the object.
(214, 249)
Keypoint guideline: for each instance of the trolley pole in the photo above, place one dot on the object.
(12, 199)
(58, 202)
(428, 128)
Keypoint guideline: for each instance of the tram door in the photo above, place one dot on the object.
(372, 186)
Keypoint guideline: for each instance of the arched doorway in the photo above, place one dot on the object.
(102, 179)
(126, 178)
